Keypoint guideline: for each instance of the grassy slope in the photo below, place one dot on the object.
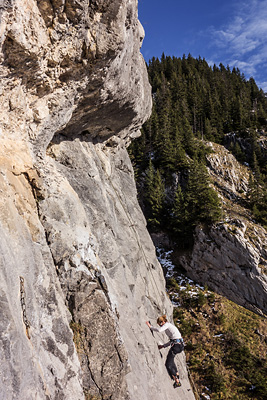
(226, 344)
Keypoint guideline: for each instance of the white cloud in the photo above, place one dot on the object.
(241, 42)
(244, 33)
(263, 86)
(210, 62)
(243, 66)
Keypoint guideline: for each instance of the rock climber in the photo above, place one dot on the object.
(176, 342)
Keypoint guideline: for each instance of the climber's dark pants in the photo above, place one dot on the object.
(170, 364)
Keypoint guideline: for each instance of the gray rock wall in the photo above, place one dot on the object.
(231, 257)
(126, 284)
(79, 275)
(37, 353)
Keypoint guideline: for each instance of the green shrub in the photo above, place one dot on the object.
(221, 319)
(186, 326)
(216, 380)
(201, 299)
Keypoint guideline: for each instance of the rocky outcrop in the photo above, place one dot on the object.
(229, 176)
(231, 257)
(62, 61)
(233, 139)
(79, 274)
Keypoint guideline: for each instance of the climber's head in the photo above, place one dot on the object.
(161, 320)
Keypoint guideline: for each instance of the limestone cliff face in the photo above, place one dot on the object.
(231, 257)
(79, 275)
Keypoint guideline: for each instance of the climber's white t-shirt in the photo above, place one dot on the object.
(171, 331)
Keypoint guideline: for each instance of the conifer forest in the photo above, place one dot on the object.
(194, 104)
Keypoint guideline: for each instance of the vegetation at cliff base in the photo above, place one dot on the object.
(194, 103)
(226, 345)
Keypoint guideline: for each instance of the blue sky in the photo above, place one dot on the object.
(231, 32)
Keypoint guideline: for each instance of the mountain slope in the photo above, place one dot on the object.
(231, 257)
(199, 185)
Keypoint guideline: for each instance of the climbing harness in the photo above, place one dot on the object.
(175, 341)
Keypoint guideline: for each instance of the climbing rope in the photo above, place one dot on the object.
(193, 384)
(23, 306)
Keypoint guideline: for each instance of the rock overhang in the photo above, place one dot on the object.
(78, 67)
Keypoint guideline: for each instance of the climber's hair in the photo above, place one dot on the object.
(161, 319)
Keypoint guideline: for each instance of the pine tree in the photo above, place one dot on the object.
(156, 200)
(164, 144)
(181, 161)
(201, 201)
(253, 191)
(149, 181)
(188, 137)
(237, 151)
(154, 195)
(208, 130)
(178, 212)
(256, 168)
(257, 199)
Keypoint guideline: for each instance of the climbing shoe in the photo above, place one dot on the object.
(176, 385)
